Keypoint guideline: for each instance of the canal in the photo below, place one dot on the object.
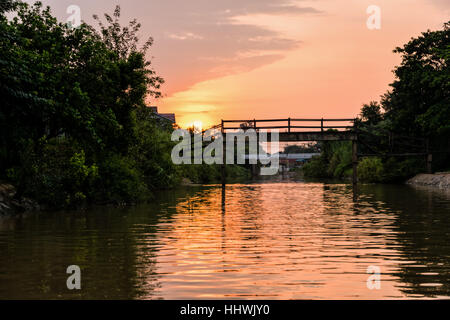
(273, 240)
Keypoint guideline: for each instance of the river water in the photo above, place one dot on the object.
(273, 240)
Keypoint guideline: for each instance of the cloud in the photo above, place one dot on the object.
(225, 47)
(184, 36)
(442, 4)
(197, 40)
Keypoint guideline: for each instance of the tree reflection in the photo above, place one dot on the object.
(422, 227)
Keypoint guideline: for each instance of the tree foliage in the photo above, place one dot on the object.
(418, 105)
(69, 98)
(371, 113)
(73, 122)
(419, 101)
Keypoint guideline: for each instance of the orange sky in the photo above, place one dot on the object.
(250, 59)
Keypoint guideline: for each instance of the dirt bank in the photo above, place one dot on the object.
(10, 205)
(438, 180)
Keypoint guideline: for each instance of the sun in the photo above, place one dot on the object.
(198, 124)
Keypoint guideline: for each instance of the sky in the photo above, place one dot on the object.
(246, 59)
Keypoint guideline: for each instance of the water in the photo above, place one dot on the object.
(281, 240)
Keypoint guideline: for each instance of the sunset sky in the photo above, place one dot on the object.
(245, 59)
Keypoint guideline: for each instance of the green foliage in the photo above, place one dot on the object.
(121, 181)
(399, 170)
(419, 102)
(58, 80)
(341, 158)
(334, 161)
(68, 124)
(55, 172)
(74, 125)
(418, 105)
(7, 5)
(311, 147)
(371, 170)
(152, 152)
(371, 113)
(316, 168)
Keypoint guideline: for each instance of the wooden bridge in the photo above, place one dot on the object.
(292, 129)
(297, 130)
(318, 129)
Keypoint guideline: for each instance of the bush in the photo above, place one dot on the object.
(204, 173)
(121, 181)
(316, 168)
(334, 162)
(341, 159)
(55, 173)
(371, 170)
(398, 170)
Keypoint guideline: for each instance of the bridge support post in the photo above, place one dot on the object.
(223, 202)
(429, 158)
(254, 170)
(429, 161)
(224, 155)
(355, 169)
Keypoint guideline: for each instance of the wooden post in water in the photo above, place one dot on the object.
(429, 161)
(355, 167)
(223, 168)
(255, 166)
(223, 202)
(429, 158)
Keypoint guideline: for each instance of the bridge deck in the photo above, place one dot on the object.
(291, 128)
(338, 130)
(312, 136)
(317, 136)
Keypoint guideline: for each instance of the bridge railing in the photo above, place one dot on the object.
(289, 124)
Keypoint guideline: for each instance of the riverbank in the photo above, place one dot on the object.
(192, 176)
(439, 180)
(10, 205)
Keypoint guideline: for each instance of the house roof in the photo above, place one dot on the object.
(286, 156)
(168, 116)
(163, 116)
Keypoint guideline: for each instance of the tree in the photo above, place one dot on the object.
(69, 103)
(74, 82)
(419, 101)
(33, 78)
(311, 147)
(124, 41)
(7, 5)
(371, 113)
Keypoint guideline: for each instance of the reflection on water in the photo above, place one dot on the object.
(287, 240)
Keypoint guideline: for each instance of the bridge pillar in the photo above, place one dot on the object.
(429, 161)
(254, 170)
(224, 175)
(224, 152)
(355, 168)
(429, 157)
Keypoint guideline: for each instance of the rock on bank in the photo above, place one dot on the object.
(438, 180)
(10, 205)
